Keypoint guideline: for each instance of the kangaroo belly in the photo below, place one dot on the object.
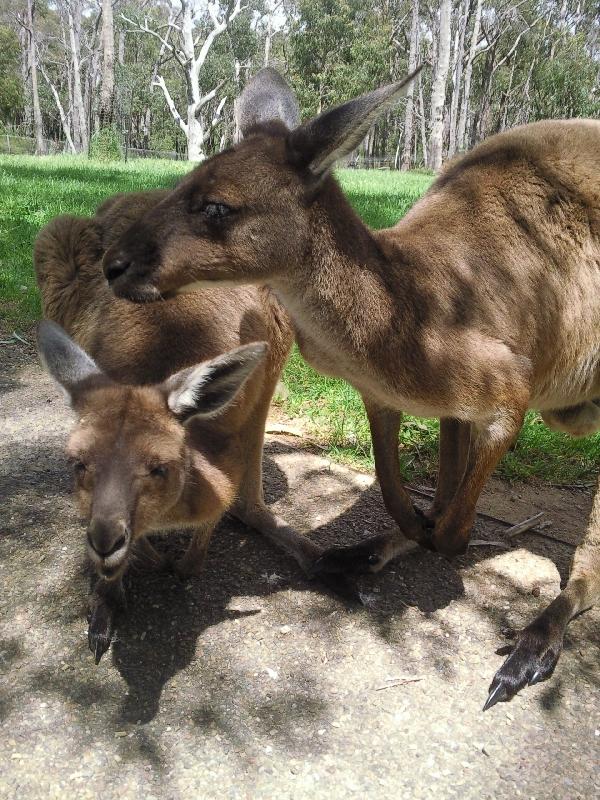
(580, 420)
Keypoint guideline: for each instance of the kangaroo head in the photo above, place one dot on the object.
(244, 215)
(129, 448)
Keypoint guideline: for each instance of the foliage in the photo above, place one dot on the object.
(11, 86)
(105, 145)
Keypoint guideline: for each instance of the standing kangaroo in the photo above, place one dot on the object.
(482, 302)
(171, 410)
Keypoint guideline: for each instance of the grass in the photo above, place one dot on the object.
(33, 190)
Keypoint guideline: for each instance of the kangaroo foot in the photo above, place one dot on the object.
(103, 610)
(533, 659)
(368, 556)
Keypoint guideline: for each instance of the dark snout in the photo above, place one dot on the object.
(108, 541)
(130, 264)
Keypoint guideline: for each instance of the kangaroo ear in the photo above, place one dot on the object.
(319, 143)
(209, 388)
(68, 364)
(266, 97)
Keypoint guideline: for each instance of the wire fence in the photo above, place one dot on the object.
(11, 144)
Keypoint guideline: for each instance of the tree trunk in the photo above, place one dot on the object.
(63, 117)
(27, 107)
(80, 133)
(464, 107)
(438, 90)
(410, 104)
(38, 130)
(457, 77)
(107, 86)
(423, 124)
(195, 139)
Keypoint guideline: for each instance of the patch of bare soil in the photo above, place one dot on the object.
(252, 682)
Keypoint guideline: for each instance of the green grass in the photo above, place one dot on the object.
(33, 190)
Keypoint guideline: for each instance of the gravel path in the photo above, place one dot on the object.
(252, 682)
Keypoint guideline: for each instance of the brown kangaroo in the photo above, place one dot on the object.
(482, 302)
(172, 409)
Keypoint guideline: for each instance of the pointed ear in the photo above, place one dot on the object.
(209, 388)
(266, 98)
(66, 362)
(319, 143)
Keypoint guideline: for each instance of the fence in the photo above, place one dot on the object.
(24, 145)
(11, 144)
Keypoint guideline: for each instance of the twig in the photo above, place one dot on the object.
(572, 485)
(488, 543)
(526, 525)
(534, 531)
(398, 682)
(20, 338)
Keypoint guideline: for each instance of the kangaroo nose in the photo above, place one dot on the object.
(106, 536)
(116, 266)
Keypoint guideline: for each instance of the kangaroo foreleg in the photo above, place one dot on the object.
(489, 442)
(455, 441)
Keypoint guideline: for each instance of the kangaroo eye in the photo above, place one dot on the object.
(216, 210)
(79, 467)
(160, 471)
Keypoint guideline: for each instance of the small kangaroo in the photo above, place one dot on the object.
(171, 399)
(482, 302)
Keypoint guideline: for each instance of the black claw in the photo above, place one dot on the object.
(498, 694)
(536, 677)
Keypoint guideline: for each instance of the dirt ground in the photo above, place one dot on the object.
(252, 682)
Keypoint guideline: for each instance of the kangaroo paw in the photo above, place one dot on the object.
(100, 628)
(368, 556)
(533, 659)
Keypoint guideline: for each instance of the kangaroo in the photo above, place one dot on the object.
(171, 398)
(482, 302)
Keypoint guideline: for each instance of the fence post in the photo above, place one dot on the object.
(8, 143)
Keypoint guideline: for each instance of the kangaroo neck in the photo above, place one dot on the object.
(339, 299)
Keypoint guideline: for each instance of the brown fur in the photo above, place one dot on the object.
(125, 426)
(481, 303)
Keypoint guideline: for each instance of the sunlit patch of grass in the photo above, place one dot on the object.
(35, 189)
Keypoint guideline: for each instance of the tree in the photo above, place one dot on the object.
(190, 50)
(412, 63)
(438, 90)
(80, 132)
(107, 84)
(466, 94)
(28, 23)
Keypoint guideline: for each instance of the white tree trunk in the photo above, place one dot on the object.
(410, 104)
(107, 86)
(80, 133)
(63, 117)
(438, 90)
(38, 130)
(464, 107)
(195, 139)
(457, 73)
